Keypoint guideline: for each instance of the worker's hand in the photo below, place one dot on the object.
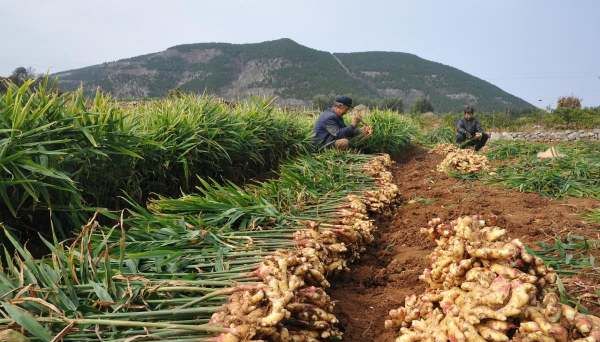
(367, 131)
(468, 135)
(478, 135)
(356, 120)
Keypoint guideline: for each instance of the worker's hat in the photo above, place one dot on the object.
(345, 100)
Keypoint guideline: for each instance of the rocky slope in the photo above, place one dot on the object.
(294, 73)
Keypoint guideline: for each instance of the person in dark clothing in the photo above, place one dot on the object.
(469, 131)
(330, 128)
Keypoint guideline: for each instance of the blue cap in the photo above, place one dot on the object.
(345, 100)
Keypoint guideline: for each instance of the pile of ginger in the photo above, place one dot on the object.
(483, 287)
(444, 149)
(289, 302)
(460, 160)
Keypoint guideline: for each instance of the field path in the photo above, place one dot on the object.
(389, 269)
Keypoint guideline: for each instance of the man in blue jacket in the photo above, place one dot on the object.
(330, 129)
(469, 131)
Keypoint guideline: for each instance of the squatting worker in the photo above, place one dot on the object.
(330, 129)
(469, 131)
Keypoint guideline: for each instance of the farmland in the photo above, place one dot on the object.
(389, 270)
(191, 219)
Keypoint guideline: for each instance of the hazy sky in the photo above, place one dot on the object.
(535, 49)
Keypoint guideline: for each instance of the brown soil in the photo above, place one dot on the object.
(389, 269)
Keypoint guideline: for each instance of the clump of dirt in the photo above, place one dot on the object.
(389, 269)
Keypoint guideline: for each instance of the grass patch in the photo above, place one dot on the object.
(570, 256)
(593, 216)
(577, 174)
(392, 133)
(503, 150)
(438, 135)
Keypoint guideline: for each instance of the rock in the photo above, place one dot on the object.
(540, 135)
(550, 153)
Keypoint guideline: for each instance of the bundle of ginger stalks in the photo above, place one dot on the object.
(483, 287)
(289, 303)
(460, 160)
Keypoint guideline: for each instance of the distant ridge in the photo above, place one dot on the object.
(293, 72)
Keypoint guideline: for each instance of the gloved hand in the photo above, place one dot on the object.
(478, 135)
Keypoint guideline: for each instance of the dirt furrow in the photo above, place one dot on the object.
(389, 269)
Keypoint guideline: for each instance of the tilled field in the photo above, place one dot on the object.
(389, 269)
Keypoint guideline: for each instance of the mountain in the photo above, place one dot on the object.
(293, 72)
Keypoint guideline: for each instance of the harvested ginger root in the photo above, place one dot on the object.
(463, 161)
(289, 302)
(483, 287)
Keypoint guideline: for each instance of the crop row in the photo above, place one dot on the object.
(163, 272)
(62, 156)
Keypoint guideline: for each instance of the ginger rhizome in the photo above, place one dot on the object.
(460, 160)
(484, 287)
(290, 303)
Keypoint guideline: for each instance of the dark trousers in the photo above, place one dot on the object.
(478, 143)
